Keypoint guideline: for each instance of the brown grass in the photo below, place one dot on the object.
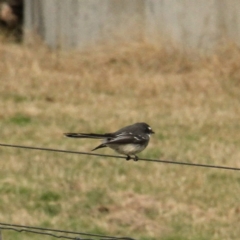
(191, 102)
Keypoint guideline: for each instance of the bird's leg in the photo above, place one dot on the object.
(135, 158)
(128, 157)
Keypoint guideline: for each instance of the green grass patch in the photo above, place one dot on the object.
(50, 196)
(97, 196)
(20, 119)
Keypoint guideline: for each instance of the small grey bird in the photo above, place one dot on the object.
(129, 140)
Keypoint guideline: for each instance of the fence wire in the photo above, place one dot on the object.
(56, 233)
(123, 157)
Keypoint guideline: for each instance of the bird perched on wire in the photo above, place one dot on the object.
(129, 140)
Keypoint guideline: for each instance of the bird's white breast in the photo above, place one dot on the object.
(127, 149)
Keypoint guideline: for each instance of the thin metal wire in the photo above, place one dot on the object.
(46, 231)
(42, 233)
(117, 156)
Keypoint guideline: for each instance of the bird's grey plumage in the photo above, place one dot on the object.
(129, 140)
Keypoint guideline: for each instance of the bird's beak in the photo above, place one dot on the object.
(152, 132)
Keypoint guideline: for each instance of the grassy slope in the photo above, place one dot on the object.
(192, 105)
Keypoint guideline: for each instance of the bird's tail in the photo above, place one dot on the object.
(88, 135)
(100, 146)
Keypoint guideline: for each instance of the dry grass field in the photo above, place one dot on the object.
(191, 102)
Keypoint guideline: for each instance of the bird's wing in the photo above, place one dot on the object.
(125, 138)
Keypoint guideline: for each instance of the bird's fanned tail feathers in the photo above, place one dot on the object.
(100, 146)
(88, 135)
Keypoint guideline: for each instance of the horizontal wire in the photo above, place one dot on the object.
(41, 233)
(117, 156)
(45, 231)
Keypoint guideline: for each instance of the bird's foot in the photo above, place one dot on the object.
(135, 158)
